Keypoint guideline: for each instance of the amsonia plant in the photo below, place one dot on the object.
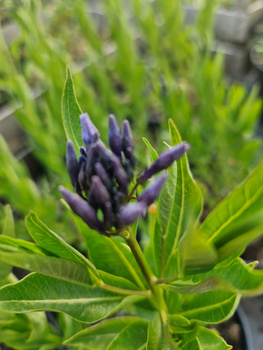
(155, 290)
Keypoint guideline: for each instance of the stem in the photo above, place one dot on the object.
(145, 293)
(157, 296)
(167, 279)
(130, 196)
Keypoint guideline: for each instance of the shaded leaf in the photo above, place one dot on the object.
(152, 152)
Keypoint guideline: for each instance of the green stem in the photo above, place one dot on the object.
(114, 289)
(157, 296)
(167, 279)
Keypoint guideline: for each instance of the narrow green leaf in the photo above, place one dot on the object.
(238, 213)
(152, 152)
(9, 225)
(99, 336)
(71, 112)
(155, 334)
(50, 241)
(117, 281)
(179, 203)
(132, 337)
(65, 269)
(85, 303)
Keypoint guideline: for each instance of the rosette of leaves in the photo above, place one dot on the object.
(163, 294)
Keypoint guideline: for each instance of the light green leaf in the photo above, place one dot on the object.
(236, 277)
(117, 281)
(179, 203)
(210, 307)
(50, 241)
(62, 268)
(71, 112)
(112, 256)
(238, 213)
(205, 339)
(85, 303)
(152, 152)
(9, 225)
(132, 337)
(99, 336)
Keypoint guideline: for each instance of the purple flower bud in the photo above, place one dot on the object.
(98, 194)
(120, 175)
(82, 179)
(130, 212)
(109, 217)
(88, 129)
(127, 139)
(72, 164)
(81, 208)
(102, 174)
(83, 151)
(115, 141)
(129, 155)
(164, 161)
(153, 190)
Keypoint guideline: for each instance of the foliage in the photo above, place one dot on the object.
(196, 276)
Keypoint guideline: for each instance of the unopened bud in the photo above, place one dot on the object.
(130, 212)
(72, 164)
(164, 161)
(115, 141)
(81, 208)
(88, 129)
(153, 190)
(98, 194)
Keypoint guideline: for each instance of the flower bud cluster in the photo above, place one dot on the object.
(101, 177)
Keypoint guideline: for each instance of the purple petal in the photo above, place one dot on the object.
(115, 141)
(130, 212)
(89, 130)
(153, 190)
(81, 208)
(120, 175)
(164, 161)
(103, 175)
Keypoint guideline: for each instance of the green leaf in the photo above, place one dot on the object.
(65, 269)
(85, 303)
(237, 214)
(205, 339)
(27, 332)
(9, 225)
(152, 152)
(179, 203)
(50, 241)
(236, 277)
(112, 256)
(132, 337)
(210, 307)
(117, 281)
(71, 112)
(99, 336)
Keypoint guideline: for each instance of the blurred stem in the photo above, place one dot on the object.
(130, 196)
(157, 294)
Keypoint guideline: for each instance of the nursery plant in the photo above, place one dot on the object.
(153, 288)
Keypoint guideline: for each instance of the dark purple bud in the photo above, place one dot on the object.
(153, 190)
(128, 169)
(102, 174)
(82, 179)
(130, 212)
(88, 129)
(109, 217)
(81, 208)
(98, 194)
(164, 161)
(115, 141)
(72, 164)
(127, 139)
(120, 175)
(83, 151)
(129, 154)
